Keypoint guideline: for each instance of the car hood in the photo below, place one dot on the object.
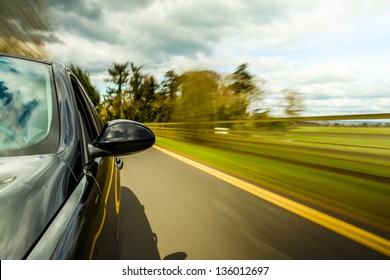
(31, 193)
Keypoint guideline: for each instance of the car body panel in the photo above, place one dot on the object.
(82, 229)
(29, 201)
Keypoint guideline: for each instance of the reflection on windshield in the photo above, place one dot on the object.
(25, 103)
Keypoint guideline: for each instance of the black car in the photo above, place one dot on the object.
(59, 171)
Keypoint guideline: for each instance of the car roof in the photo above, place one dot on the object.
(40, 60)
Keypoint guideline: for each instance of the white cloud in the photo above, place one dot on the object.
(334, 51)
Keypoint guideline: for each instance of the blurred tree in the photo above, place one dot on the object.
(84, 78)
(116, 100)
(165, 99)
(243, 89)
(139, 104)
(196, 101)
(162, 107)
(134, 95)
(25, 27)
(136, 83)
(144, 106)
(242, 81)
(293, 103)
(191, 97)
(133, 111)
(230, 105)
(170, 84)
(208, 96)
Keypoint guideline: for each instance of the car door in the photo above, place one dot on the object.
(103, 175)
(82, 228)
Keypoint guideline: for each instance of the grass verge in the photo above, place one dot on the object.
(339, 191)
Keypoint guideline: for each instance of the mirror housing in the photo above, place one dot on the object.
(122, 137)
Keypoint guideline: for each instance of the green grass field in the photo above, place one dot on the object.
(342, 171)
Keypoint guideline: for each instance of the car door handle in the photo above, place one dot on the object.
(119, 163)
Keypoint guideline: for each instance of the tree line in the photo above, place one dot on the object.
(192, 96)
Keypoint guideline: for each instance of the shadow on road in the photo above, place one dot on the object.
(137, 241)
(176, 256)
(136, 238)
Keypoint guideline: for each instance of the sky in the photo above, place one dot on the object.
(335, 53)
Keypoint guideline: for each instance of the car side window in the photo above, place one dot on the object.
(90, 125)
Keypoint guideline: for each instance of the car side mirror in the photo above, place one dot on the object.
(122, 137)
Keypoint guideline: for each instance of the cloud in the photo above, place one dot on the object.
(88, 54)
(324, 49)
(84, 19)
(84, 8)
(319, 73)
(129, 6)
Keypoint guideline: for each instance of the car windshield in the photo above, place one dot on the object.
(26, 105)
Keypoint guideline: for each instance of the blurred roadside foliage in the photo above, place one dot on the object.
(194, 98)
(24, 27)
(132, 95)
(190, 97)
(209, 96)
(84, 77)
(197, 96)
(293, 104)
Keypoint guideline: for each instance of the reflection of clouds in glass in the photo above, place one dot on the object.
(26, 113)
(23, 97)
(115, 133)
(5, 96)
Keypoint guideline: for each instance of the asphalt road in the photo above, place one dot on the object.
(195, 215)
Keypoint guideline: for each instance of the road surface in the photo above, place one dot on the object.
(197, 216)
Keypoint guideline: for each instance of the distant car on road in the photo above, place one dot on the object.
(59, 170)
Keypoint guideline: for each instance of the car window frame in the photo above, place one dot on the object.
(89, 122)
(89, 112)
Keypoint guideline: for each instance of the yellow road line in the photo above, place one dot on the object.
(359, 235)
